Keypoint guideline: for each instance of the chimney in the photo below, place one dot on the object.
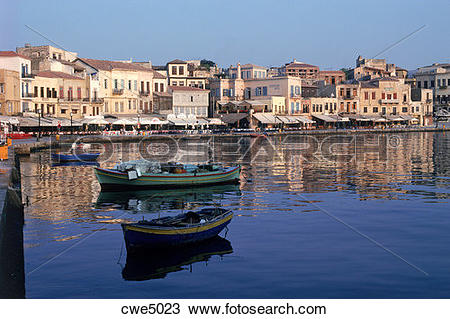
(238, 70)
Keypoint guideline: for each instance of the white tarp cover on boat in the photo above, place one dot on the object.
(215, 121)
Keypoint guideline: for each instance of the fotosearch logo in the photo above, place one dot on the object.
(255, 151)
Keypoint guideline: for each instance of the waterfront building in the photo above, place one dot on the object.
(178, 75)
(437, 78)
(59, 94)
(46, 57)
(247, 71)
(331, 77)
(228, 89)
(189, 101)
(9, 92)
(367, 69)
(123, 87)
(10, 60)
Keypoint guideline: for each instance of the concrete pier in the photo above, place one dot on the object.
(12, 271)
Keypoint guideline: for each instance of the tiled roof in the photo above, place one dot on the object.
(301, 65)
(12, 54)
(332, 72)
(111, 65)
(157, 75)
(177, 61)
(187, 88)
(57, 75)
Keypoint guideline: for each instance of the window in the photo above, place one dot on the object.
(116, 107)
(439, 82)
(106, 83)
(106, 107)
(116, 84)
(264, 90)
(326, 106)
(354, 92)
(365, 109)
(181, 70)
(292, 90)
(419, 84)
(192, 98)
(354, 106)
(174, 83)
(79, 93)
(134, 104)
(383, 96)
(174, 70)
(373, 95)
(395, 96)
(444, 82)
(122, 84)
(404, 98)
(42, 91)
(292, 107)
(84, 109)
(404, 109)
(366, 95)
(129, 85)
(425, 84)
(156, 87)
(135, 85)
(375, 109)
(389, 96)
(432, 84)
(121, 106)
(161, 87)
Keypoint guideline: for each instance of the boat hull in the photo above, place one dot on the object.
(86, 157)
(158, 237)
(113, 180)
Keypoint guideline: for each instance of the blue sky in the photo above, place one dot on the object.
(330, 34)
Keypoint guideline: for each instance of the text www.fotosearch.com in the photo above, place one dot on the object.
(227, 309)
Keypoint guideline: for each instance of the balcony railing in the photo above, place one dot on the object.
(389, 101)
(117, 91)
(346, 97)
(442, 87)
(97, 100)
(69, 99)
(26, 76)
(28, 95)
(86, 99)
(144, 93)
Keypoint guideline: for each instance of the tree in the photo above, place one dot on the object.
(207, 63)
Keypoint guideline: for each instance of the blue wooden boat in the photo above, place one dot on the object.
(179, 230)
(82, 157)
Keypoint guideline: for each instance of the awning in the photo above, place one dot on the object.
(178, 122)
(409, 118)
(98, 121)
(359, 118)
(215, 121)
(125, 122)
(9, 120)
(266, 118)
(325, 118)
(232, 118)
(395, 118)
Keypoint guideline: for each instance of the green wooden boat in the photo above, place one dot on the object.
(134, 176)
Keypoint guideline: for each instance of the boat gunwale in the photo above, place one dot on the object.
(134, 227)
(171, 175)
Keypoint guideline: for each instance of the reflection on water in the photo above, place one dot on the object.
(145, 265)
(150, 201)
(394, 187)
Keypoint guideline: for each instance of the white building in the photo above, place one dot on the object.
(189, 101)
(12, 61)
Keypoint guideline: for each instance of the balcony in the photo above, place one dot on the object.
(443, 87)
(27, 95)
(348, 97)
(117, 92)
(97, 101)
(389, 101)
(26, 76)
(144, 93)
(86, 99)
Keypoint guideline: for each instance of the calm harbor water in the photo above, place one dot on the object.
(315, 217)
